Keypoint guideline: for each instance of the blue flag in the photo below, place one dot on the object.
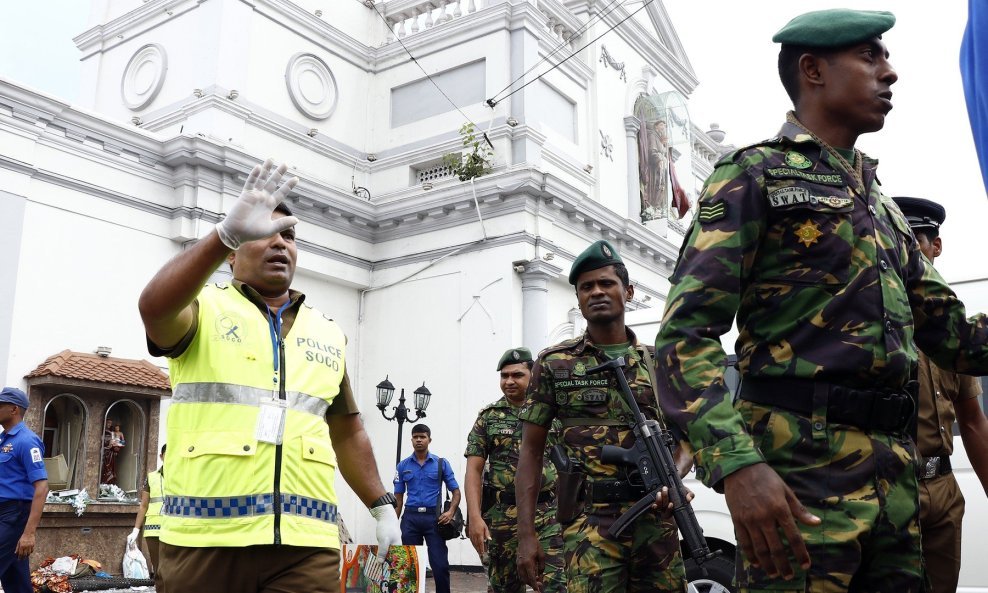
(974, 72)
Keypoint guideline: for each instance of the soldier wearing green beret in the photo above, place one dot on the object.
(943, 396)
(794, 237)
(492, 516)
(647, 557)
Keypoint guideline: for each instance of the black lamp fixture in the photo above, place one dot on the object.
(385, 393)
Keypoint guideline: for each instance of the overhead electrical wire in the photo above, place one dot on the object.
(605, 11)
(494, 101)
(427, 75)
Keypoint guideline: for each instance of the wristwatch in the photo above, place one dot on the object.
(388, 498)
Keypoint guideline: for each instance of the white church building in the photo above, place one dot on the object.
(432, 278)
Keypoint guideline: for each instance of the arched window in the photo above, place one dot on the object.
(64, 437)
(123, 448)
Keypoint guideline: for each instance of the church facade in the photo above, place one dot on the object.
(578, 109)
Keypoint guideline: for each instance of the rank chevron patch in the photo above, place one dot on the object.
(712, 212)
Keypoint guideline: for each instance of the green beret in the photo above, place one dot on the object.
(514, 356)
(598, 255)
(921, 214)
(835, 27)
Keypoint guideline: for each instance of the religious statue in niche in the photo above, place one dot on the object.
(113, 443)
(663, 123)
(653, 165)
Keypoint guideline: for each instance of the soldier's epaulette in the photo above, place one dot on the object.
(489, 406)
(734, 155)
(564, 345)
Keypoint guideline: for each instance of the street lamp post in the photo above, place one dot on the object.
(386, 391)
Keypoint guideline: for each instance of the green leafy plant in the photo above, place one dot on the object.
(476, 160)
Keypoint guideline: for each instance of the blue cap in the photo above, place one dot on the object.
(13, 395)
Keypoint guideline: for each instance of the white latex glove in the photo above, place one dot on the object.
(250, 217)
(388, 530)
(132, 538)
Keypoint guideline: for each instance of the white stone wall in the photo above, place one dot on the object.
(424, 290)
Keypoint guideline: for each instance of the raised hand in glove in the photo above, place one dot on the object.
(132, 538)
(388, 530)
(250, 217)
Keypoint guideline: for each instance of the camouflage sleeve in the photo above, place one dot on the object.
(555, 434)
(714, 263)
(540, 406)
(477, 439)
(942, 329)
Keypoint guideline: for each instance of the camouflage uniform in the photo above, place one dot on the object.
(496, 437)
(647, 557)
(829, 285)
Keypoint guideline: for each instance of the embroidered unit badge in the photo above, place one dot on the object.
(808, 233)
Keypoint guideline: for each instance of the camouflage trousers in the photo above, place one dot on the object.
(862, 485)
(646, 558)
(502, 567)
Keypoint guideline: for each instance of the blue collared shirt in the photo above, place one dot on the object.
(421, 482)
(21, 463)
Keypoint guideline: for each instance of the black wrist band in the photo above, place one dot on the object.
(387, 498)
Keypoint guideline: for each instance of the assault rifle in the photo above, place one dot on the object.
(652, 456)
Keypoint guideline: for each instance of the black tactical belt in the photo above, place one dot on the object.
(884, 411)
(932, 467)
(508, 496)
(612, 491)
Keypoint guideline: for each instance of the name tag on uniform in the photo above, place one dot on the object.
(271, 422)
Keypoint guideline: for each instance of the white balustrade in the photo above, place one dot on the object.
(560, 22)
(407, 17)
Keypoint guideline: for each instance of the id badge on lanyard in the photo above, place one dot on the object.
(271, 422)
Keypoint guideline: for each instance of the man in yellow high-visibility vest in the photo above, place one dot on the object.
(149, 518)
(262, 413)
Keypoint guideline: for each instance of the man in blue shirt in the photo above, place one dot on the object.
(418, 475)
(23, 489)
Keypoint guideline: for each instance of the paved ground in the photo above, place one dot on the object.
(462, 582)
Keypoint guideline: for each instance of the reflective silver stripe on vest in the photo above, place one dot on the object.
(227, 393)
(157, 499)
(252, 505)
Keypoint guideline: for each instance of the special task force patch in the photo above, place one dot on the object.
(36, 455)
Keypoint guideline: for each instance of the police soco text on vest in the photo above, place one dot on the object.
(327, 355)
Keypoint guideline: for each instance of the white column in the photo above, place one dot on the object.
(535, 303)
(631, 126)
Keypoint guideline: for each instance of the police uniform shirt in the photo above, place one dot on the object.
(342, 405)
(936, 413)
(21, 463)
(420, 483)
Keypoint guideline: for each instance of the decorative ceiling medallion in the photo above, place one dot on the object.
(311, 86)
(143, 76)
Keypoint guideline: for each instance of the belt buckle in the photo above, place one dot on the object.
(931, 468)
(420, 510)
